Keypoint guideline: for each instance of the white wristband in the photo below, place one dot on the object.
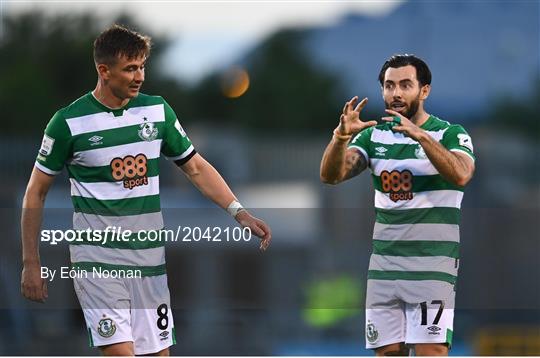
(234, 208)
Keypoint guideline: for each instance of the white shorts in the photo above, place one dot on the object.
(134, 310)
(425, 315)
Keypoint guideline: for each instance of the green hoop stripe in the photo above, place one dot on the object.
(416, 248)
(418, 216)
(121, 207)
(411, 276)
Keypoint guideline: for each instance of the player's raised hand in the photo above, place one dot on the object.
(33, 287)
(350, 121)
(403, 124)
(257, 226)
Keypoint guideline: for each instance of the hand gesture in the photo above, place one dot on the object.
(350, 122)
(257, 226)
(403, 124)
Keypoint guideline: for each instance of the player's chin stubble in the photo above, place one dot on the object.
(412, 108)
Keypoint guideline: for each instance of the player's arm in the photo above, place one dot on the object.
(211, 184)
(33, 286)
(339, 163)
(456, 167)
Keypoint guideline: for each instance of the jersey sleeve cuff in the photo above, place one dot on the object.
(185, 157)
(46, 170)
(464, 152)
(362, 150)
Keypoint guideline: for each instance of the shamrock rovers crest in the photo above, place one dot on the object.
(147, 131)
(106, 327)
(371, 333)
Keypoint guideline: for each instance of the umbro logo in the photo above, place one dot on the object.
(434, 330)
(164, 335)
(380, 151)
(96, 140)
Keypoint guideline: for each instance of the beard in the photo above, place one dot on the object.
(410, 109)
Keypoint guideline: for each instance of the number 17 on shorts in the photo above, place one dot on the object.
(425, 322)
(429, 322)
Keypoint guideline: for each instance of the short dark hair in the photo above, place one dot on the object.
(117, 41)
(423, 74)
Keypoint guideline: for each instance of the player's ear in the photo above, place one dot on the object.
(103, 71)
(424, 91)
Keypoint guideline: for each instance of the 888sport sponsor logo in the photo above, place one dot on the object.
(398, 184)
(131, 170)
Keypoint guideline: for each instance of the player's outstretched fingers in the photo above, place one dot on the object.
(349, 104)
(343, 122)
(398, 117)
(345, 106)
(353, 102)
(361, 105)
(370, 123)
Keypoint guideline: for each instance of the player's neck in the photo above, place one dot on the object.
(420, 117)
(104, 96)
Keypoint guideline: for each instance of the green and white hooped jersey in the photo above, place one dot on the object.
(416, 233)
(112, 161)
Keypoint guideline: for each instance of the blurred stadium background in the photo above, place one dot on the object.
(263, 118)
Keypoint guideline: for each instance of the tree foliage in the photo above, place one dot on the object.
(43, 63)
(287, 91)
(46, 63)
